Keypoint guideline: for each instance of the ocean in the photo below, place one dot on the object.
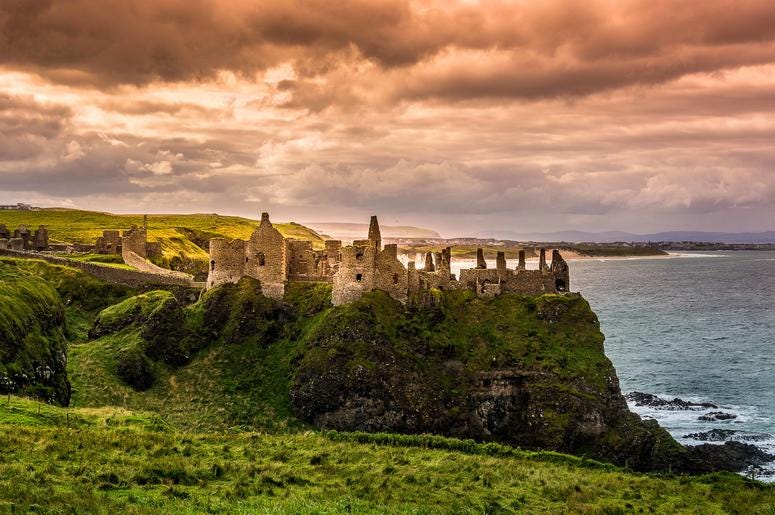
(701, 327)
(698, 326)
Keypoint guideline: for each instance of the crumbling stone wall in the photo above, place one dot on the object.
(266, 258)
(40, 238)
(356, 272)
(301, 259)
(109, 243)
(23, 234)
(270, 258)
(227, 261)
(390, 274)
(134, 241)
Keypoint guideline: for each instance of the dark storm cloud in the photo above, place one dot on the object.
(520, 49)
(515, 112)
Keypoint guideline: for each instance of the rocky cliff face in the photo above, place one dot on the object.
(33, 347)
(526, 371)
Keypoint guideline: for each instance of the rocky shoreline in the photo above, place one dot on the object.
(721, 448)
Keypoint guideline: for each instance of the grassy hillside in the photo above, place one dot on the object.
(106, 460)
(238, 374)
(183, 237)
(188, 443)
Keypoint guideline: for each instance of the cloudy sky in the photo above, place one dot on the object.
(512, 115)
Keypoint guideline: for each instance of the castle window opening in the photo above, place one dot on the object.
(395, 278)
(560, 285)
(359, 256)
(212, 265)
(261, 259)
(358, 277)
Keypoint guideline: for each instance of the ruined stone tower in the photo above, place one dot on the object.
(374, 234)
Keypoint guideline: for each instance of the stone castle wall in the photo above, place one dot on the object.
(266, 258)
(227, 261)
(365, 266)
(134, 241)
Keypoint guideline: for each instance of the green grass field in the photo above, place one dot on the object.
(218, 434)
(109, 459)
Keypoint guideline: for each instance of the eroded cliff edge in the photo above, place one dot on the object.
(529, 371)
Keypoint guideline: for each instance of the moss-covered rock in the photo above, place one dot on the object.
(523, 370)
(157, 322)
(240, 313)
(33, 346)
(135, 369)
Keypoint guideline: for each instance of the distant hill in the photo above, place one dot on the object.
(356, 231)
(611, 236)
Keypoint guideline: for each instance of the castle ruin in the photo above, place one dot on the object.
(367, 265)
(23, 239)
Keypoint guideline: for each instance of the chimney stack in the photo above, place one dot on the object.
(374, 235)
(480, 262)
(500, 263)
(429, 262)
(521, 263)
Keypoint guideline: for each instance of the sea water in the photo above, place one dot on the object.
(699, 326)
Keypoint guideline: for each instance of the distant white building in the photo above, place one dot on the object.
(18, 207)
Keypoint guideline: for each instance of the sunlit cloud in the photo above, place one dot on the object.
(465, 116)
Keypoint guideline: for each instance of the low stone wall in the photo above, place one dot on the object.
(131, 278)
(143, 265)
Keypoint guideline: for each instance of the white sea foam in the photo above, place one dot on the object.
(682, 422)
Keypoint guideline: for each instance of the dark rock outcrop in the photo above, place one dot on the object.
(489, 369)
(715, 416)
(732, 456)
(654, 401)
(33, 346)
(722, 435)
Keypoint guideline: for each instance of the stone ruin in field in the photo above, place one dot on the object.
(366, 265)
(23, 238)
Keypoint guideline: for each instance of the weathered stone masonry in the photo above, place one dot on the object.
(366, 265)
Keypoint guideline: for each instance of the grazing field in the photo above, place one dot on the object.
(110, 459)
(217, 433)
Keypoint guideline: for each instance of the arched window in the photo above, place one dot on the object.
(359, 256)
(358, 277)
(261, 259)
(212, 265)
(395, 278)
(560, 284)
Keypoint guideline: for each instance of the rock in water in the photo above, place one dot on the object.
(654, 401)
(714, 435)
(721, 435)
(714, 416)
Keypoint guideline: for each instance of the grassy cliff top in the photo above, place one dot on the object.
(78, 226)
(110, 459)
(183, 238)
